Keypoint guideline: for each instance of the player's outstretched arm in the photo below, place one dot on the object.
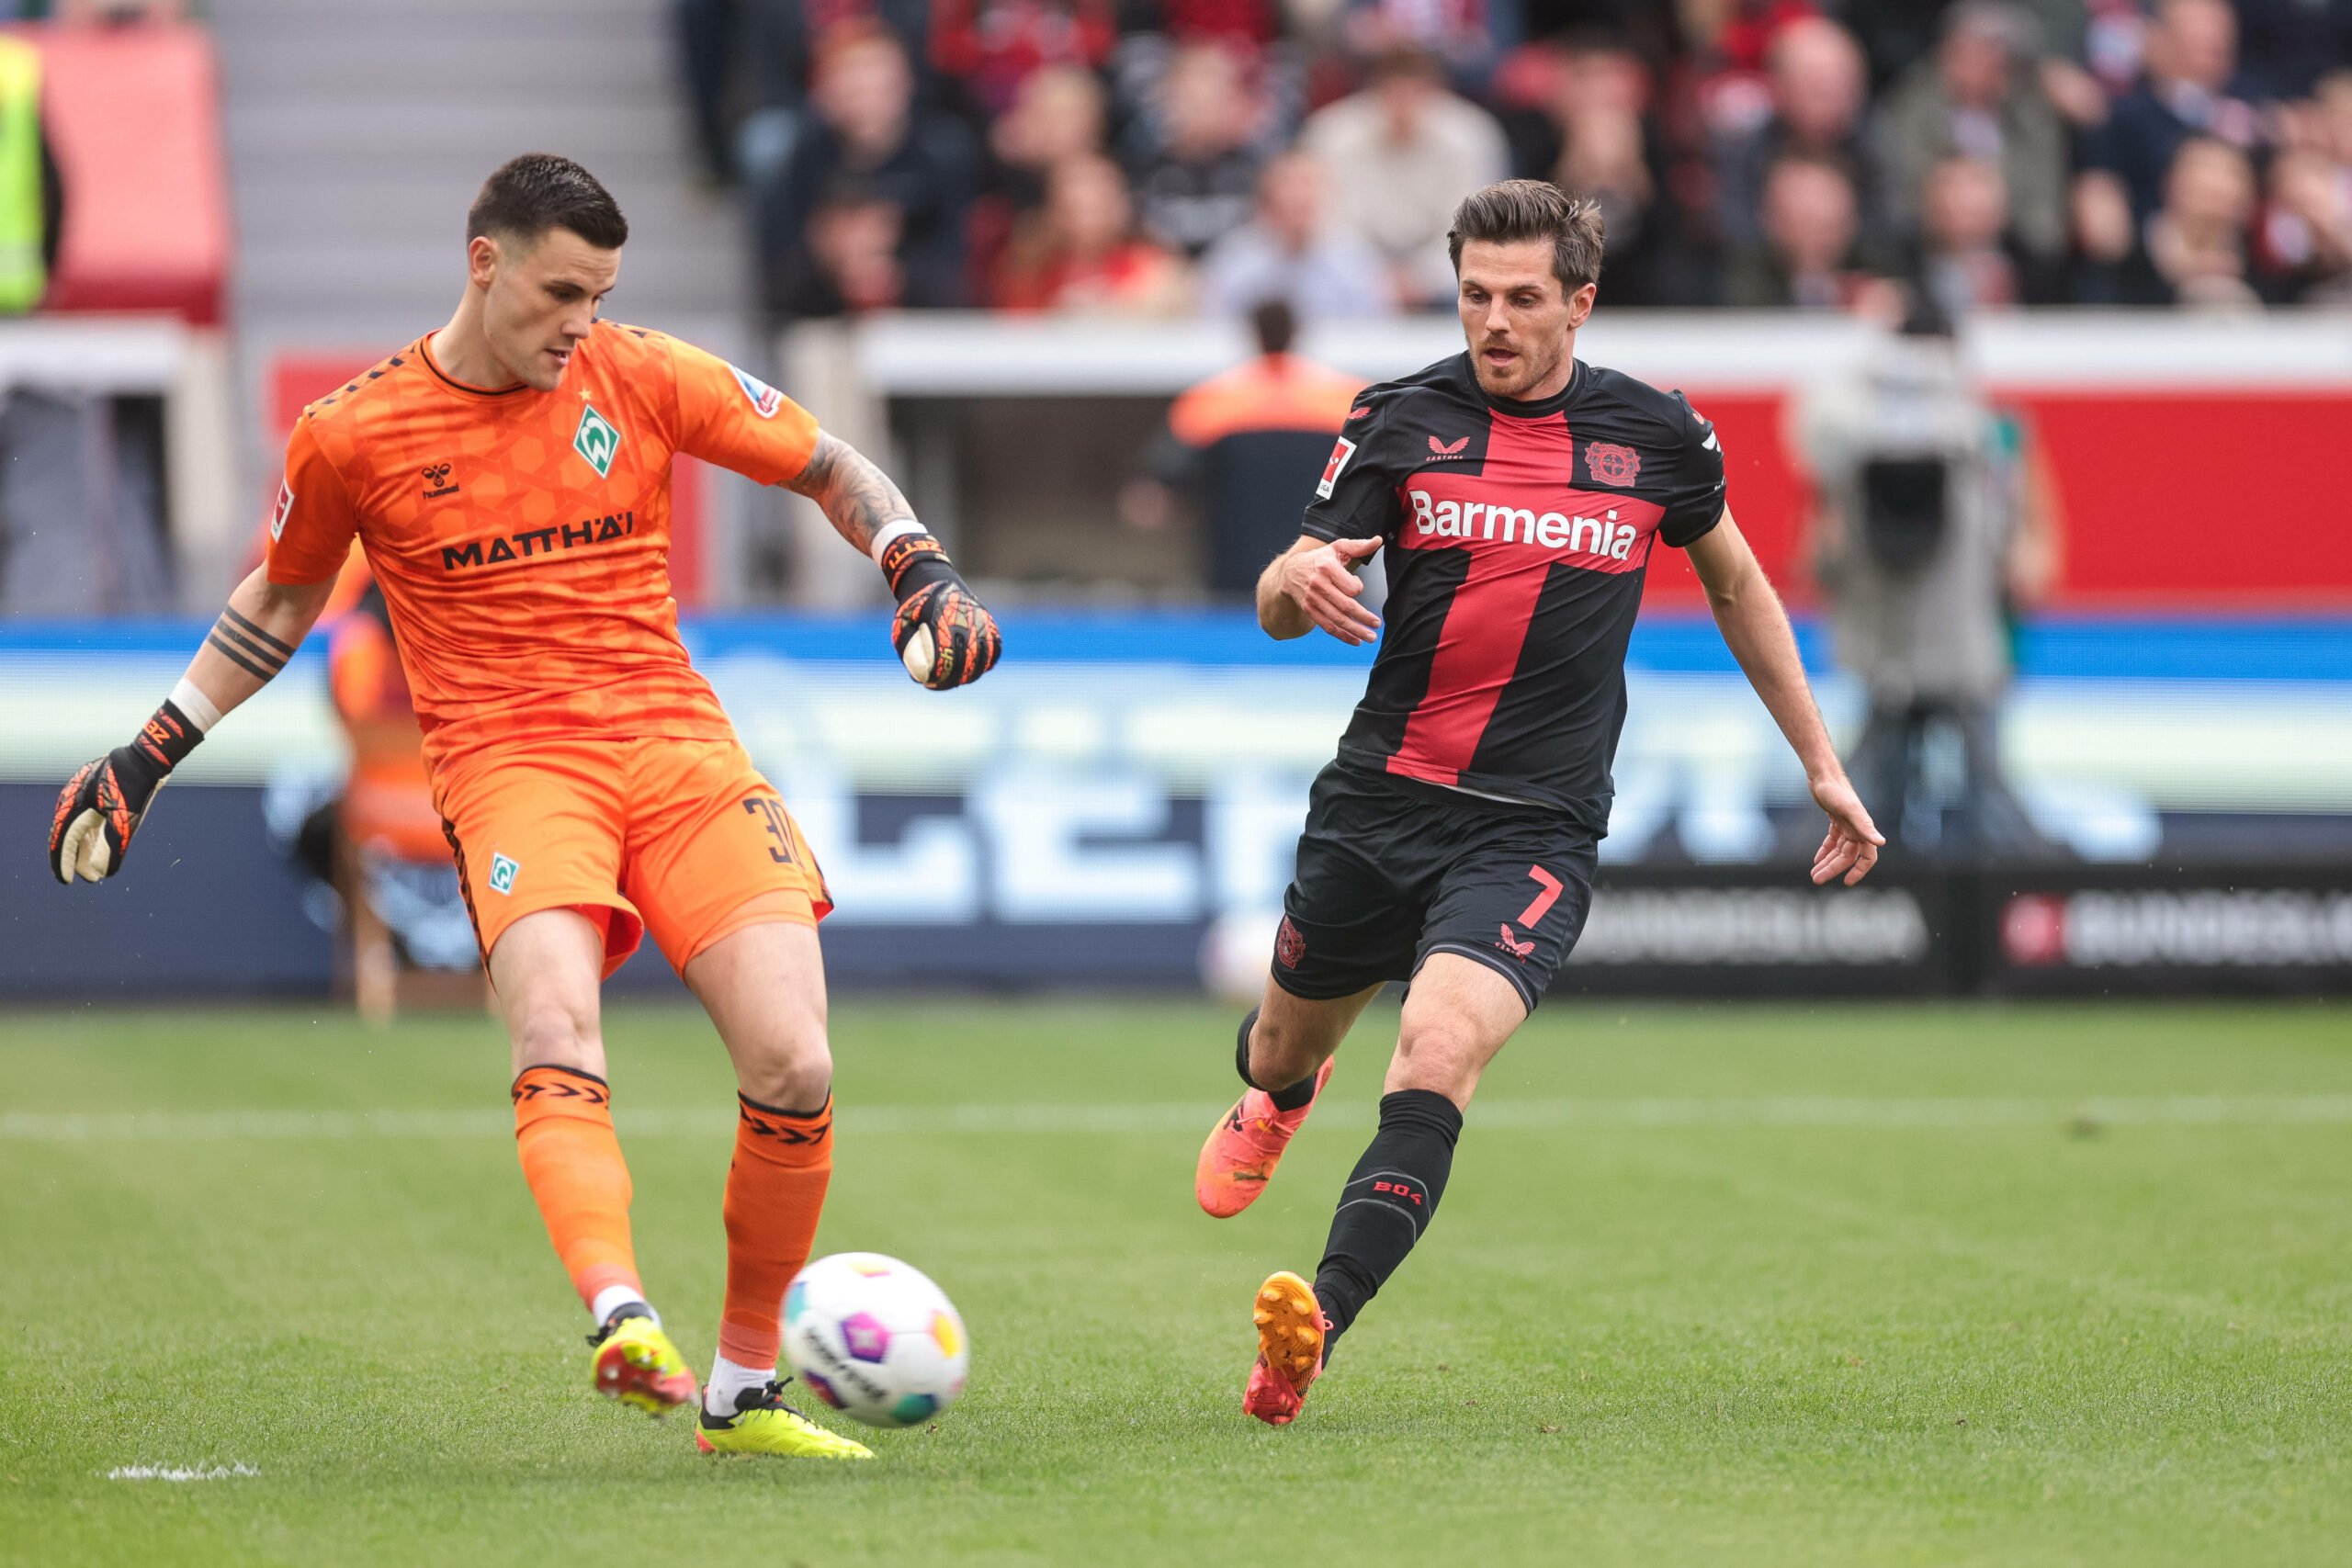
(944, 634)
(101, 806)
(1315, 584)
(1756, 629)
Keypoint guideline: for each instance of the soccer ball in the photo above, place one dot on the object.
(874, 1338)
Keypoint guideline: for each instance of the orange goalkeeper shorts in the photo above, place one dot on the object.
(681, 838)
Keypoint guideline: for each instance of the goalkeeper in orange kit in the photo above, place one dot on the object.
(509, 478)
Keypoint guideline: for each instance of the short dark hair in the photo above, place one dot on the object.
(538, 191)
(1511, 210)
(1275, 323)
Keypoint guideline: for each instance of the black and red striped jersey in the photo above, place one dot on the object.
(1516, 538)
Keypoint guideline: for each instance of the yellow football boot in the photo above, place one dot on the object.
(764, 1424)
(634, 1362)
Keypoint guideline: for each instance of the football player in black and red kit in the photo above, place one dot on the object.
(1517, 496)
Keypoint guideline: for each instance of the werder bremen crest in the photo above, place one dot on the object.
(597, 440)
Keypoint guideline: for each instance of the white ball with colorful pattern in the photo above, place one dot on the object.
(874, 1338)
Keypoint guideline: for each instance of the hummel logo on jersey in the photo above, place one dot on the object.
(765, 399)
(1444, 451)
(436, 481)
(1603, 535)
(1339, 455)
(597, 440)
(501, 874)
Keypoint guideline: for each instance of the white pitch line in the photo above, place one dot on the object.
(933, 1120)
(161, 1473)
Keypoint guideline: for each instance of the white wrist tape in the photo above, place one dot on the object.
(196, 704)
(897, 529)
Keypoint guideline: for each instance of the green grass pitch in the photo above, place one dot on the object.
(1712, 1284)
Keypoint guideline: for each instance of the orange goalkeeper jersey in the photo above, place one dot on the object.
(522, 538)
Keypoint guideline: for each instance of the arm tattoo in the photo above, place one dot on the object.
(248, 647)
(857, 497)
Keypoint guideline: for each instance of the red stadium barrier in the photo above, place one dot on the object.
(2235, 499)
(133, 116)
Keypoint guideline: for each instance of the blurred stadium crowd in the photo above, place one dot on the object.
(1166, 156)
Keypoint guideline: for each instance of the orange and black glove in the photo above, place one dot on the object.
(101, 806)
(944, 634)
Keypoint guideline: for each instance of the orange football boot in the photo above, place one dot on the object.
(1291, 1326)
(1248, 1142)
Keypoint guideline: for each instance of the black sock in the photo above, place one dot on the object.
(1291, 1099)
(1388, 1202)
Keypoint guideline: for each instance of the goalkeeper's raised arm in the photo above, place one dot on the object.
(101, 806)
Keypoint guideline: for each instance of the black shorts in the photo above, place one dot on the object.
(1389, 873)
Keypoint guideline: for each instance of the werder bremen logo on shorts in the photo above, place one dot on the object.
(597, 440)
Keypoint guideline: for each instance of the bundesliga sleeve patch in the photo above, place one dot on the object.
(1340, 453)
(284, 510)
(765, 399)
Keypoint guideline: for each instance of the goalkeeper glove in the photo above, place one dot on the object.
(101, 807)
(946, 637)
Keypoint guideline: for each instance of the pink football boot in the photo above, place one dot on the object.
(1248, 1142)
(1290, 1348)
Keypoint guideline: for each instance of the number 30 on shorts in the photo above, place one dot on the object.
(779, 826)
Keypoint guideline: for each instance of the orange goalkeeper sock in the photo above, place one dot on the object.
(775, 1190)
(563, 1132)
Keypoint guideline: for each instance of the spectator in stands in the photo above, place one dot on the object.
(867, 147)
(1578, 114)
(2190, 87)
(1459, 32)
(1081, 254)
(1970, 258)
(1248, 445)
(1721, 77)
(1245, 25)
(1896, 35)
(1978, 97)
(746, 66)
(1198, 179)
(2306, 232)
(2197, 240)
(2289, 44)
(1403, 154)
(2108, 266)
(1289, 252)
(1819, 95)
(853, 240)
(987, 48)
(1806, 256)
(1058, 114)
(2306, 224)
